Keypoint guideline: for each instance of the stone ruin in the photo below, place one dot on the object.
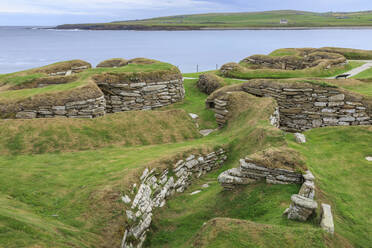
(297, 59)
(107, 92)
(301, 105)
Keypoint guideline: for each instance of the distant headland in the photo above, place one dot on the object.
(282, 19)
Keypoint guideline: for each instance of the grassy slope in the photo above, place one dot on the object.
(336, 156)
(70, 199)
(135, 128)
(256, 19)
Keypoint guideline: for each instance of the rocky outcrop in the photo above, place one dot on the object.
(124, 94)
(302, 105)
(156, 187)
(89, 108)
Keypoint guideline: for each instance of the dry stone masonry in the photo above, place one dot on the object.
(143, 95)
(303, 106)
(89, 108)
(155, 188)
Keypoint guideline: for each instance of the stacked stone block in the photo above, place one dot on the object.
(127, 96)
(89, 108)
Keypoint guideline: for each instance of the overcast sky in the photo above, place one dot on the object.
(53, 12)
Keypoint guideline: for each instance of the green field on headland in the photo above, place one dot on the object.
(246, 20)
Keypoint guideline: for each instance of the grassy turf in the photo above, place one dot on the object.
(226, 232)
(135, 128)
(336, 156)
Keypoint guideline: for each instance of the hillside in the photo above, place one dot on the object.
(246, 20)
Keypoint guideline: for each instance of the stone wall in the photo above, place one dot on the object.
(250, 172)
(143, 95)
(89, 108)
(303, 106)
(156, 187)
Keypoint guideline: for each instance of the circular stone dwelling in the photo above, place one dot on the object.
(74, 89)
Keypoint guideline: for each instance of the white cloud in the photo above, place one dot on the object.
(93, 7)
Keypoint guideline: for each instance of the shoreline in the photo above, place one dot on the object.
(185, 28)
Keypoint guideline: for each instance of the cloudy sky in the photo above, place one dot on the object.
(53, 12)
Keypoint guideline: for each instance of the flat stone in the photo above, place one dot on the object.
(320, 104)
(195, 192)
(206, 132)
(126, 199)
(369, 159)
(193, 116)
(327, 219)
(25, 115)
(205, 185)
(335, 98)
(304, 202)
(154, 87)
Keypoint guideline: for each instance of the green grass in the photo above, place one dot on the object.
(336, 156)
(245, 20)
(226, 232)
(364, 74)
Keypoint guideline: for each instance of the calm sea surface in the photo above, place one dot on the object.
(22, 48)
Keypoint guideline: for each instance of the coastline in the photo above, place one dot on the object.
(190, 28)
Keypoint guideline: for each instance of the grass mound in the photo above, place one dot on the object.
(126, 129)
(115, 62)
(283, 158)
(210, 82)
